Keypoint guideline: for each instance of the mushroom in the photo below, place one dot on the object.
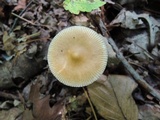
(77, 56)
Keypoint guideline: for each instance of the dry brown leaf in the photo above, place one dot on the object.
(112, 97)
(27, 115)
(21, 5)
(80, 20)
(8, 42)
(43, 111)
(149, 112)
(10, 114)
(34, 93)
(41, 107)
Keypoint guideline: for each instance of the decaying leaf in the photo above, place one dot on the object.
(21, 5)
(137, 45)
(16, 46)
(41, 106)
(75, 6)
(8, 42)
(112, 97)
(132, 20)
(141, 40)
(127, 19)
(75, 102)
(27, 115)
(81, 20)
(10, 114)
(149, 112)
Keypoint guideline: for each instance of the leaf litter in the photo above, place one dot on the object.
(136, 32)
(112, 97)
(21, 5)
(41, 104)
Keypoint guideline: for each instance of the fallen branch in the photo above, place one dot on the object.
(134, 74)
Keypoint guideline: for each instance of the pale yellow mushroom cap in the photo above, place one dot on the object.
(77, 56)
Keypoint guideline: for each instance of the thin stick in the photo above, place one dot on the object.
(134, 74)
(22, 18)
(15, 21)
(33, 35)
(30, 41)
(90, 103)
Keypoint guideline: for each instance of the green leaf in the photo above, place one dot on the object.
(76, 6)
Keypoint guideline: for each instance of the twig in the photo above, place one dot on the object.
(145, 19)
(134, 74)
(32, 35)
(22, 18)
(30, 41)
(29, 21)
(15, 21)
(8, 96)
(90, 103)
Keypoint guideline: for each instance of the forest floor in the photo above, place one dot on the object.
(129, 88)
